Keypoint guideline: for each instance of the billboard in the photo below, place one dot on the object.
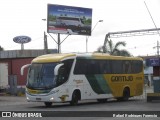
(69, 20)
(153, 62)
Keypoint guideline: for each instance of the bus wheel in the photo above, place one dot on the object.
(102, 100)
(75, 98)
(48, 104)
(126, 94)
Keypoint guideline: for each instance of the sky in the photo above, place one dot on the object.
(24, 17)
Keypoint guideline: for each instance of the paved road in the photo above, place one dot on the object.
(14, 103)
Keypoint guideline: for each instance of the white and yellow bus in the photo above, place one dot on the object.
(73, 77)
(69, 21)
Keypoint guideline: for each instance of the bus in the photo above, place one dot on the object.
(69, 21)
(72, 77)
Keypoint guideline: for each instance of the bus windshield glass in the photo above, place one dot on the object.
(41, 76)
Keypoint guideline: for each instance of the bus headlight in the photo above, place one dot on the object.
(51, 99)
(28, 99)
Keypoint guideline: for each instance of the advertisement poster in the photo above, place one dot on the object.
(69, 20)
(152, 61)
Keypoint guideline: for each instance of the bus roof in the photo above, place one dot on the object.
(107, 56)
(60, 57)
(52, 58)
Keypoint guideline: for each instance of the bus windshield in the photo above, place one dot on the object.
(41, 76)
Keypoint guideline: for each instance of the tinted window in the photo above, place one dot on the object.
(137, 66)
(126, 66)
(116, 67)
(91, 66)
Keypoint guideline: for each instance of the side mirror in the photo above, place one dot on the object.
(57, 68)
(23, 67)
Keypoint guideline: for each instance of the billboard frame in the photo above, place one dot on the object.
(69, 20)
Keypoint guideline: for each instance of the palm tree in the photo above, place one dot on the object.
(113, 49)
(1, 48)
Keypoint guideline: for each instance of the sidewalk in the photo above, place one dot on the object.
(148, 89)
(12, 100)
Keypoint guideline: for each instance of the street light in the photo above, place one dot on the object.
(91, 32)
(44, 19)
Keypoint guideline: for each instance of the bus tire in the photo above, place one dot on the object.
(75, 97)
(48, 104)
(126, 95)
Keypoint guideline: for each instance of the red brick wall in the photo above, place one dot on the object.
(16, 68)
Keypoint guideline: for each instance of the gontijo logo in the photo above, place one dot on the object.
(121, 78)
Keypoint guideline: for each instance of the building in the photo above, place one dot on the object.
(152, 68)
(15, 59)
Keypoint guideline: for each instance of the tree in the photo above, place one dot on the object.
(1, 48)
(113, 49)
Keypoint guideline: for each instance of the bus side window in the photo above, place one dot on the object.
(61, 78)
(64, 71)
(127, 67)
(80, 67)
(67, 67)
(137, 66)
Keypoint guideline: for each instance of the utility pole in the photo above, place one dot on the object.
(59, 43)
(45, 43)
(157, 48)
(158, 56)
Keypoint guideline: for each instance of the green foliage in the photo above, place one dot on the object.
(1, 48)
(87, 21)
(51, 18)
(114, 49)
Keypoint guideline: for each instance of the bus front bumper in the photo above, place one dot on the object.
(41, 98)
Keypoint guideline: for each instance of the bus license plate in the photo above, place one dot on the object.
(38, 99)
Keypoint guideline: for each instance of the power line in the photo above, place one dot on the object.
(152, 18)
